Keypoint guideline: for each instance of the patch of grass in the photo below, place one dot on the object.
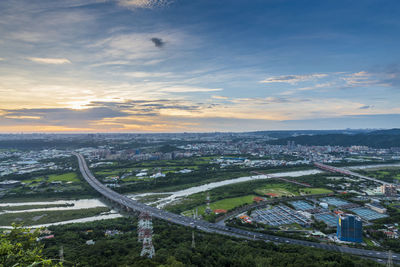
(109, 172)
(41, 217)
(315, 191)
(34, 180)
(66, 177)
(276, 190)
(225, 204)
(368, 242)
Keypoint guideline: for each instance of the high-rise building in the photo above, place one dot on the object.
(349, 228)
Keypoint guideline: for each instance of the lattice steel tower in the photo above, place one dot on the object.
(390, 259)
(145, 234)
(208, 208)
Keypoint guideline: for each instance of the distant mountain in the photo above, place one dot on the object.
(293, 133)
(377, 139)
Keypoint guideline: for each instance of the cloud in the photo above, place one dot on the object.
(136, 46)
(158, 42)
(56, 61)
(219, 97)
(366, 107)
(133, 4)
(141, 74)
(2, 59)
(184, 89)
(293, 79)
(368, 79)
(61, 115)
(146, 106)
(317, 86)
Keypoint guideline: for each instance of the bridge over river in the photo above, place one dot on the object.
(132, 205)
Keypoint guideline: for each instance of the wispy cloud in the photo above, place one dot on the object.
(142, 74)
(184, 89)
(317, 86)
(293, 79)
(55, 61)
(144, 3)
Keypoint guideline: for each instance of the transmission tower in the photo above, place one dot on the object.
(145, 234)
(61, 253)
(208, 209)
(390, 260)
(193, 243)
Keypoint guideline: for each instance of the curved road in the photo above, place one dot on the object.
(211, 227)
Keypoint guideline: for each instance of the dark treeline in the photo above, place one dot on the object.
(378, 139)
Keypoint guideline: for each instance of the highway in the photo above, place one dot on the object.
(132, 205)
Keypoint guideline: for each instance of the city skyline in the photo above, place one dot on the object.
(198, 66)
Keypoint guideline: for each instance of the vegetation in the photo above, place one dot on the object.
(18, 247)
(225, 204)
(203, 172)
(41, 217)
(173, 248)
(389, 175)
(277, 190)
(378, 139)
(315, 191)
(243, 189)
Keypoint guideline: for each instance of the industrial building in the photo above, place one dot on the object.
(328, 218)
(280, 215)
(349, 228)
(332, 201)
(368, 214)
(376, 207)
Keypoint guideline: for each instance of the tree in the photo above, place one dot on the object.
(19, 247)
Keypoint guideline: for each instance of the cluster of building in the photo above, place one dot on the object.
(22, 162)
(232, 161)
(333, 211)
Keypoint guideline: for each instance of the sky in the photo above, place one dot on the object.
(198, 65)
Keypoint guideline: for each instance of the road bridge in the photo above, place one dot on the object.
(132, 205)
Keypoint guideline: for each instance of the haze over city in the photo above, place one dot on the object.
(198, 66)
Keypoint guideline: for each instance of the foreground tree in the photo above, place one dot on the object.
(18, 247)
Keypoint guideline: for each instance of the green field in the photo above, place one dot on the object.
(65, 177)
(315, 191)
(225, 204)
(276, 190)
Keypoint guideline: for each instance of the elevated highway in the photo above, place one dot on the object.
(132, 205)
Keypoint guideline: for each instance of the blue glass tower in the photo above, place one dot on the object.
(349, 228)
